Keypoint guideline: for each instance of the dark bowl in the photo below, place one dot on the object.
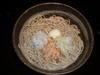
(66, 12)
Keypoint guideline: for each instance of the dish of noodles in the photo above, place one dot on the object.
(50, 43)
(52, 38)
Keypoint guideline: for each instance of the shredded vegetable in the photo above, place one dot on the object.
(64, 43)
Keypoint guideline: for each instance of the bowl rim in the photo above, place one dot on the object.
(15, 25)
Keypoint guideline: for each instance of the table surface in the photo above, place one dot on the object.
(9, 13)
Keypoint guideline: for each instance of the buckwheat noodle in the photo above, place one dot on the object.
(46, 24)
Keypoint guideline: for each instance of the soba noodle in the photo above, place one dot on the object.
(34, 36)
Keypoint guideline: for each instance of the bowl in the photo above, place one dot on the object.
(64, 11)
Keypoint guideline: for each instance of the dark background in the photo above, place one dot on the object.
(10, 10)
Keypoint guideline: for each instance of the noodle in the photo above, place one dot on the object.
(41, 23)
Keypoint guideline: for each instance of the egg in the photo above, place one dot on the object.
(55, 33)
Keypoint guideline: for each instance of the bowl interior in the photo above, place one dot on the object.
(66, 12)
